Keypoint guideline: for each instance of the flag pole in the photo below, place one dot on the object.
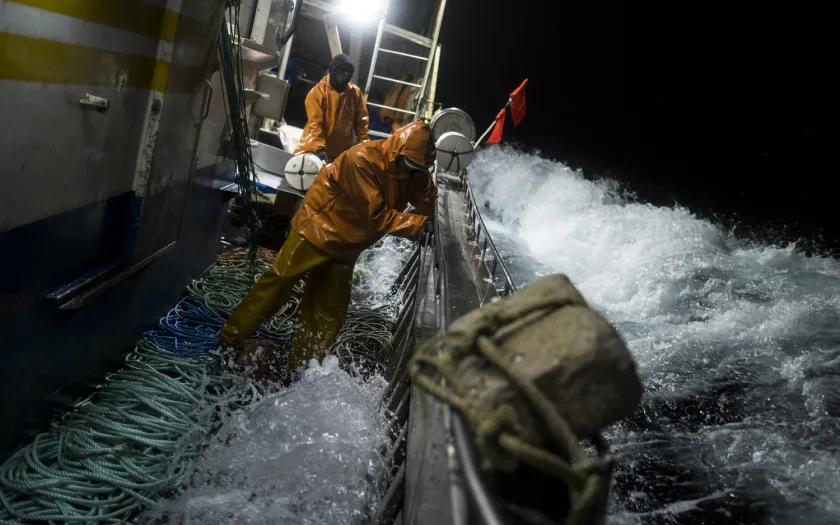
(490, 128)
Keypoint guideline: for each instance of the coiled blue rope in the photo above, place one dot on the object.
(191, 329)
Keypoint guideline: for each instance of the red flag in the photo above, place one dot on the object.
(496, 136)
(517, 103)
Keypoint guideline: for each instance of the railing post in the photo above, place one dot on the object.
(478, 227)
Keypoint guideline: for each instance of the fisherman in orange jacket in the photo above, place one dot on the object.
(399, 98)
(353, 202)
(335, 112)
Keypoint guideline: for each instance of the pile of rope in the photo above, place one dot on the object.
(140, 436)
(225, 284)
(141, 433)
(365, 340)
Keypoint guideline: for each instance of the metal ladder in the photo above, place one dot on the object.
(429, 43)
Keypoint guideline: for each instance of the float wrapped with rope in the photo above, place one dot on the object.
(535, 374)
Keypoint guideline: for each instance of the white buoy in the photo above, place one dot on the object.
(454, 152)
(301, 170)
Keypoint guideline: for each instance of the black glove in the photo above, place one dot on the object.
(322, 155)
(424, 235)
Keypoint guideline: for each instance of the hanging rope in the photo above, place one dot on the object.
(230, 67)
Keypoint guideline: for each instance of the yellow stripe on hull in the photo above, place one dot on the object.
(38, 60)
(130, 15)
(31, 59)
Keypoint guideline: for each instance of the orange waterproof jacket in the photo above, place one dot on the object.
(332, 119)
(399, 97)
(359, 198)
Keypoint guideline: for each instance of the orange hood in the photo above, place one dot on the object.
(414, 141)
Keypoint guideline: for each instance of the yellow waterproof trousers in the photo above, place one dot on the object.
(322, 309)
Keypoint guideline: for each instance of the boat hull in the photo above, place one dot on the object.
(49, 352)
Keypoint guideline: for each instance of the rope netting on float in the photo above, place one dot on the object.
(140, 435)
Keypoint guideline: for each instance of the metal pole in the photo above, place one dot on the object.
(332, 35)
(379, 31)
(260, 24)
(438, 23)
(491, 126)
(287, 49)
(356, 52)
(430, 107)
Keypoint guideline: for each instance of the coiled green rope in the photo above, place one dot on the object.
(227, 282)
(365, 338)
(138, 437)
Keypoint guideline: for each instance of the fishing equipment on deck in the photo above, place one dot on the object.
(301, 170)
(454, 152)
(534, 374)
(140, 434)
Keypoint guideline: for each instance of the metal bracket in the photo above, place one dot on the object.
(208, 97)
(98, 103)
(79, 293)
(332, 34)
(260, 24)
(405, 111)
(408, 35)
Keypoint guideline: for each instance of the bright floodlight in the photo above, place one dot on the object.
(360, 11)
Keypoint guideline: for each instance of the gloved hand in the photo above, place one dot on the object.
(322, 155)
(424, 234)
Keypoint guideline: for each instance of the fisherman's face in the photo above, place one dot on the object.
(403, 166)
(342, 78)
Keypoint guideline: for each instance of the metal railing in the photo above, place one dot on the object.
(473, 497)
(496, 270)
(397, 394)
(469, 480)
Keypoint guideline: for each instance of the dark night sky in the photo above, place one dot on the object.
(720, 106)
